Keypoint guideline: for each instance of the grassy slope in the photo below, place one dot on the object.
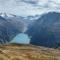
(28, 52)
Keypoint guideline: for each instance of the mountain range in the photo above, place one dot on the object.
(12, 25)
(9, 28)
(44, 30)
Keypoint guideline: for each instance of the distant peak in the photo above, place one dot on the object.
(5, 15)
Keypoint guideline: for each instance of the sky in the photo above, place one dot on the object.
(28, 7)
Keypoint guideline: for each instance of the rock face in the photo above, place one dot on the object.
(28, 52)
(46, 30)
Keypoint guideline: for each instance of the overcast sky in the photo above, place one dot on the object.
(28, 7)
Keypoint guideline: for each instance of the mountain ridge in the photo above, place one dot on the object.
(46, 30)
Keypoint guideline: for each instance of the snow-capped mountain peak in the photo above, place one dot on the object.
(5, 15)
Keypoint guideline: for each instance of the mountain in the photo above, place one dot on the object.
(46, 30)
(9, 28)
(28, 20)
(3, 32)
(15, 25)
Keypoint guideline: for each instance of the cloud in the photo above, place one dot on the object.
(30, 1)
(28, 7)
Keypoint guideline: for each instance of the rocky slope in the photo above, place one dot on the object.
(28, 52)
(46, 30)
